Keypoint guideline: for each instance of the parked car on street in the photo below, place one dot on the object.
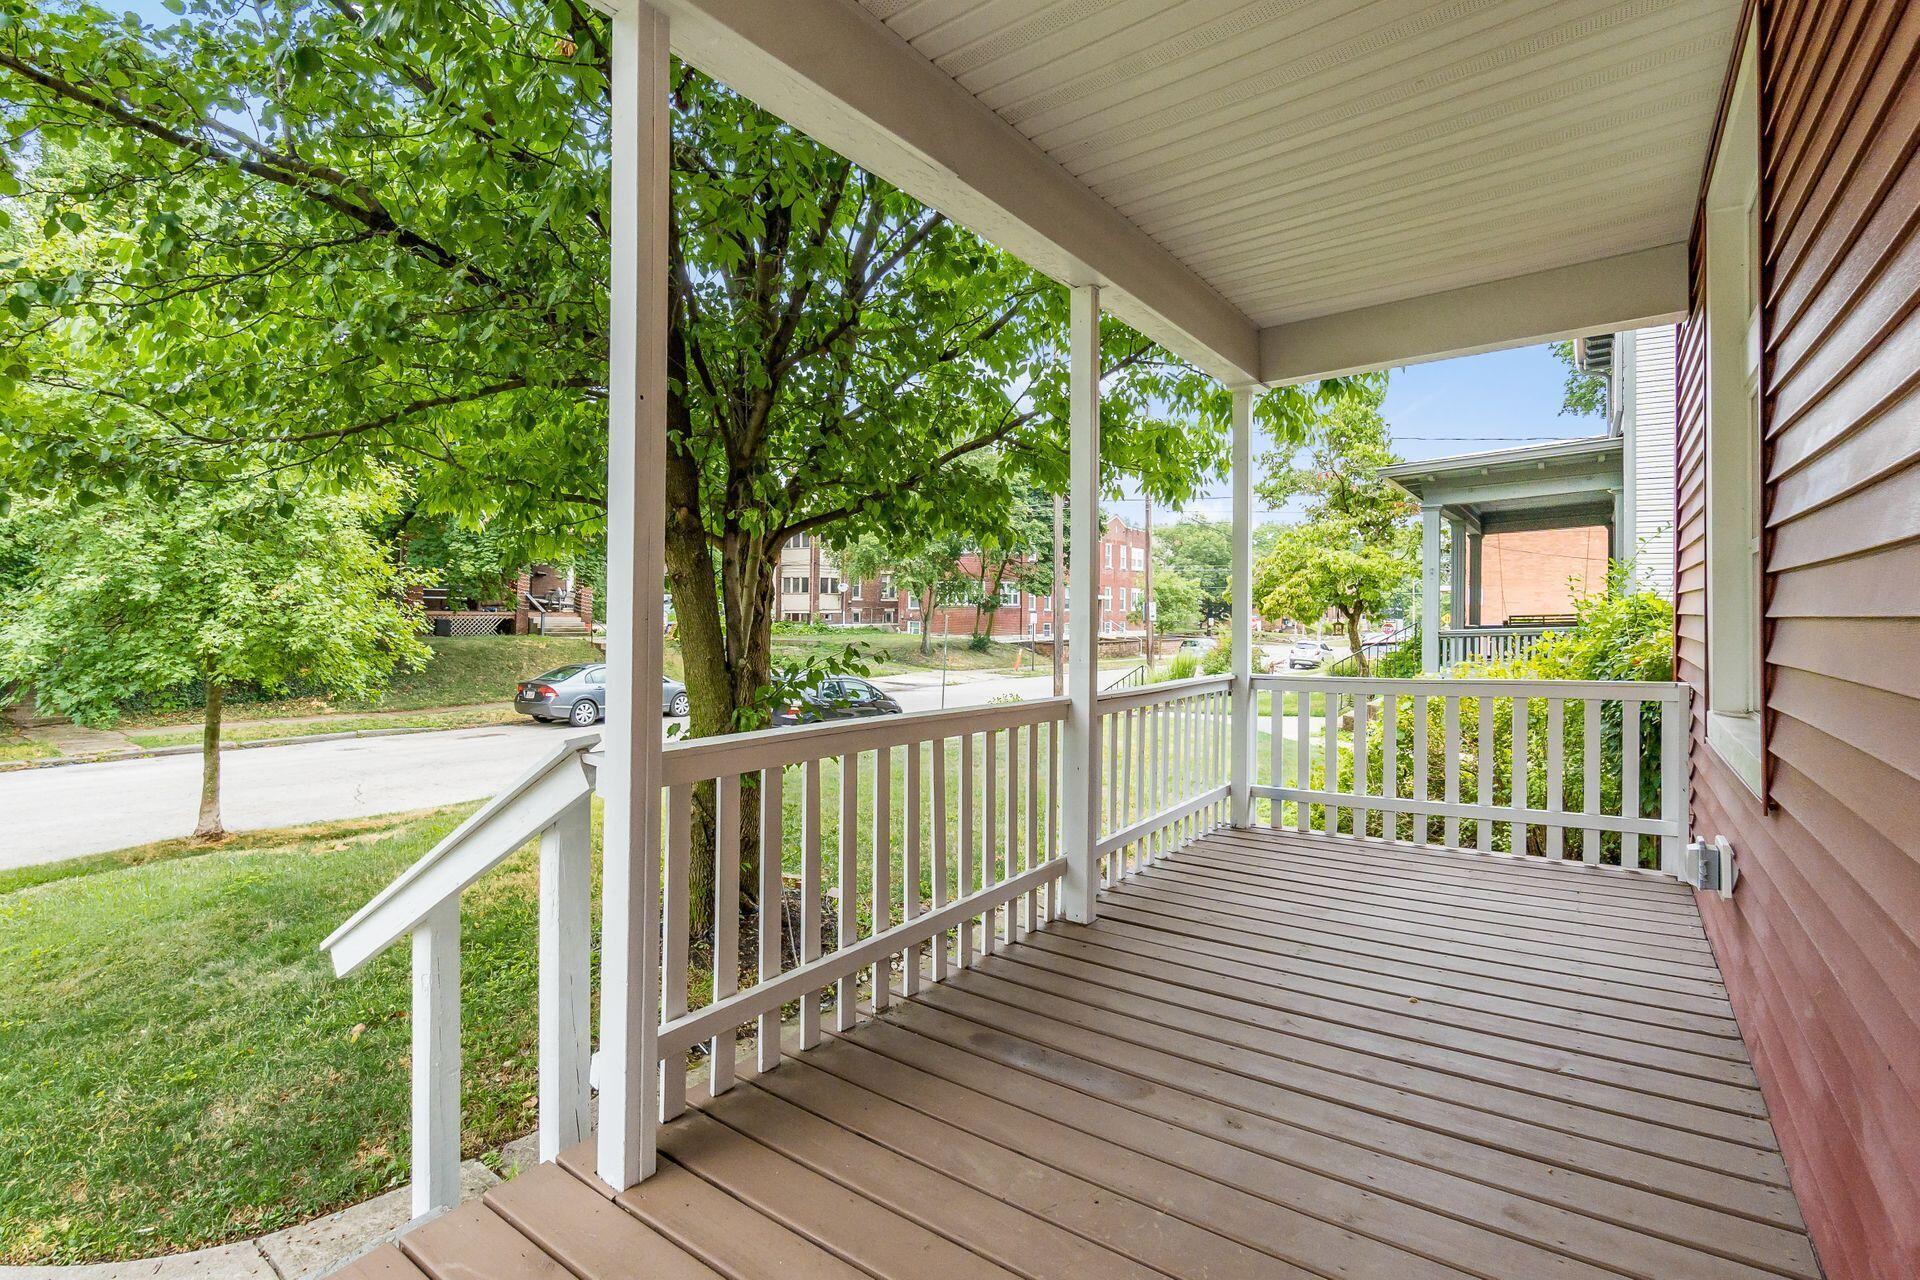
(577, 693)
(1308, 655)
(837, 698)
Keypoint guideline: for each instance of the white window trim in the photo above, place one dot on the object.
(1732, 462)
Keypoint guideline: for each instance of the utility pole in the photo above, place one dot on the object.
(1059, 576)
(1146, 607)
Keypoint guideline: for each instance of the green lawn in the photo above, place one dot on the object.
(465, 671)
(14, 748)
(461, 719)
(896, 652)
(179, 1067)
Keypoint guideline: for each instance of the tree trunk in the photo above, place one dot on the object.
(1353, 641)
(209, 828)
(726, 651)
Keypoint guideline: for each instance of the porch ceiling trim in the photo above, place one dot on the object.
(1564, 473)
(833, 70)
(1630, 291)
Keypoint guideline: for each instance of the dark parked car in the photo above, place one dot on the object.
(578, 695)
(838, 698)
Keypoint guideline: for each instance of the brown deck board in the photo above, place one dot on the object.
(1378, 893)
(584, 1231)
(1560, 1048)
(472, 1242)
(383, 1263)
(1273, 1055)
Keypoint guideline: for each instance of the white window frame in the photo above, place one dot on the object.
(1733, 491)
(1139, 559)
(1010, 595)
(829, 584)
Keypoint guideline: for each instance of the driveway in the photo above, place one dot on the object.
(92, 808)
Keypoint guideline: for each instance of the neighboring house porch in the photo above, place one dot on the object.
(1480, 509)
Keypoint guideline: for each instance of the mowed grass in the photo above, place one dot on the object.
(15, 749)
(898, 652)
(465, 718)
(179, 1066)
(465, 671)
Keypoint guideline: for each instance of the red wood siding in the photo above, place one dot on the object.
(1821, 946)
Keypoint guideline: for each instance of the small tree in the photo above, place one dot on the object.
(216, 590)
(1201, 551)
(1358, 545)
(927, 567)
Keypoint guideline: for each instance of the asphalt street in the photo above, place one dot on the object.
(92, 808)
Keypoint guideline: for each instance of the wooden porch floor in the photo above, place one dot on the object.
(1275, 1055)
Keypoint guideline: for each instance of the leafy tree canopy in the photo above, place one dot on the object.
(1585, 394)
(239, 586)
(1357, 546)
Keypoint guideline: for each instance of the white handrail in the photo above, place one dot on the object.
(488, 837)
(551, 800)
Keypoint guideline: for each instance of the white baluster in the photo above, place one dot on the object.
(772, 821)
(1590, 769)
(1556, 763)
(847, 918)
(810, 896)
(726, 925)
(676, 920)
(436, 1059)
(882, 870)
(566, 976)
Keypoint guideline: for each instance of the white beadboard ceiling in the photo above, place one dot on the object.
(1311, 157)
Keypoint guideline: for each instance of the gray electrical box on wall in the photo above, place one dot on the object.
(1709, 867)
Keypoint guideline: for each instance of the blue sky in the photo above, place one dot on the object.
(1468, 405)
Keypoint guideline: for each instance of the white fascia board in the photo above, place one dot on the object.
(835, 72)
(1630, 291)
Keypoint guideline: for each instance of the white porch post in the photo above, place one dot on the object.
(1080, 794)
(1241, 774)
(1476, 576)
(636, 538)
(1429, 590)
(1456, 574)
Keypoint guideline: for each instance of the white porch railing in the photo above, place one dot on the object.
(945, 830)
(1487, 644)
(1506, 765)
(1165, 748)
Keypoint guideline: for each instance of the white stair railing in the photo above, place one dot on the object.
(1422, 761)
(551, 801)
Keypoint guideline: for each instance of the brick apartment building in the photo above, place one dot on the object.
(811, 590)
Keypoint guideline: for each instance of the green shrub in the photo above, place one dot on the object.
(1183, 667)
(1623, 633)
(1219, 660)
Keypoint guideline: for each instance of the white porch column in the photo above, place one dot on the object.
(636, 564)
(1080, 785)
(1241, 760)
(1476, 576)
(1429, 590)
(1456, 574)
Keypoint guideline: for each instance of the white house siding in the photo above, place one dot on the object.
(1652, 457)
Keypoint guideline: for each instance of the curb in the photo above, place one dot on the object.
(187, 749)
